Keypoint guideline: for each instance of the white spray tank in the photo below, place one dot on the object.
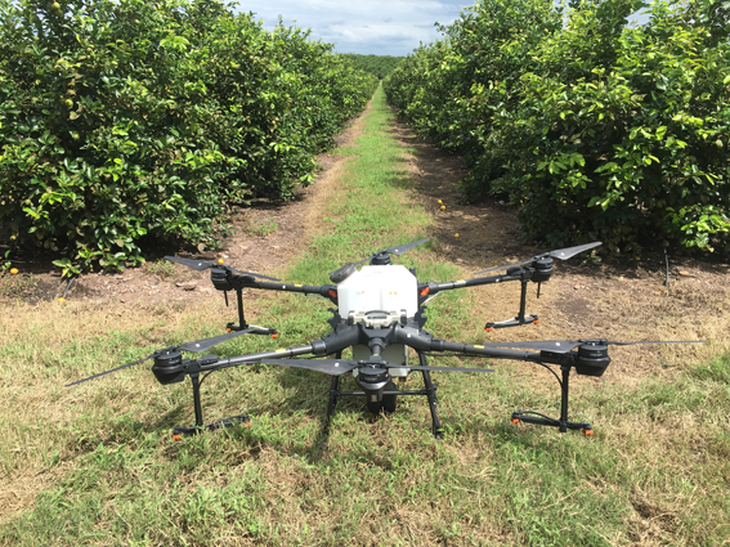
(377, 296)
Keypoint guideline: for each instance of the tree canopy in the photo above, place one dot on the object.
(595, 128)
(127, 121)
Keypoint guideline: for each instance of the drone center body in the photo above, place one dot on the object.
(377, 296)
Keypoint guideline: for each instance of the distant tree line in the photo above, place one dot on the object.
(379, 65)
(596, 129)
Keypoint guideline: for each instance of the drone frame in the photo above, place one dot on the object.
(587, 357)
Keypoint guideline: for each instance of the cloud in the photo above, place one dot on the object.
(381, 27)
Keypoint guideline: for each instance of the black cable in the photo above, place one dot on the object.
(70, 282)
(200, 383)
(543, 365)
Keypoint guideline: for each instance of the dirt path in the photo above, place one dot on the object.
(586, 298)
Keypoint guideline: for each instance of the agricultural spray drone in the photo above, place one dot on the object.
(379, 315)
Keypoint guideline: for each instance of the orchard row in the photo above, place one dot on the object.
(128, 122)
(597, 128)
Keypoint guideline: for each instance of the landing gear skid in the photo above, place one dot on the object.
(200, 427)
(563, 424)
(529, 417)
(180, 432)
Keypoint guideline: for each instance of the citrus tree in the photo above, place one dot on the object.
(124, 122)
(595, 128)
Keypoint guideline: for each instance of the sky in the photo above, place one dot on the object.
(379, 27)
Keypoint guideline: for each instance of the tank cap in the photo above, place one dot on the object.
(342, 273)
(381, 259)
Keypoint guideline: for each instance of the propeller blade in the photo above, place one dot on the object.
(555, 346)
(200, 346)
(562, 254)
(505, 266)
(444, 369)
(400, 249)
(337, 367)
(112, 370)
(397, 250)
(564, 346)
(570, 252)
(252, 274)
(333, 367)
(663, 342)
(201, 265)
(198, 265)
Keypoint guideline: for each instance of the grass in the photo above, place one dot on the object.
(14, 285)
(163, 269)
(95, 464)
(261, 228)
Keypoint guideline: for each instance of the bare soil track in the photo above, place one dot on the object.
(626, 300)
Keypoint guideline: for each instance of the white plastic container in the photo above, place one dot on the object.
(379, 288)
(390, 289)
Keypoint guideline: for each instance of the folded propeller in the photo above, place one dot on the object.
(565, 346)
(379, 258)
(201, 265)
(562, 254)
(198, 346)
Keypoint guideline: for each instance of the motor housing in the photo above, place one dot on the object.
(543, 270)
(168, 367)
(219, 277)
(592, 359)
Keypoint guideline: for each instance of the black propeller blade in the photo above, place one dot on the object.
(198, 346)
(554, 346)
(564, 346)
(112, 370)
(443, 369)
(562, 254)
(200, 265)
(398, 250)
(337, 367)
(617, 343)
(333, 367)
(343, 272)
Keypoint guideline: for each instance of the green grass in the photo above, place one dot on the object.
(95, 464)
(261, 228)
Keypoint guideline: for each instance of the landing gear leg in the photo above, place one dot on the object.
(436, 428)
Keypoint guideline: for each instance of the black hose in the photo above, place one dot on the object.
(70, 282)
